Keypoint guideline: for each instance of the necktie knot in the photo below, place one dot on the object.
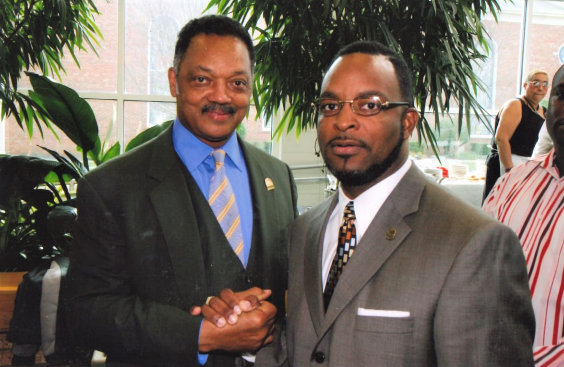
(348, 213)
(218, 156)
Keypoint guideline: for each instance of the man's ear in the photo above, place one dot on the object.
(172, 82)
(410, 119)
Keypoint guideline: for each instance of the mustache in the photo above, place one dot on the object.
(223, 108)
(360, 143)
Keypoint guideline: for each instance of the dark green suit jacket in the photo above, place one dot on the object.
(147, 247)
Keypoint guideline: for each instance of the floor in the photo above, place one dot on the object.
(81, 357)
(6, 353)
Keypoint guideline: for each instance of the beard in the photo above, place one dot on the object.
(372, 173)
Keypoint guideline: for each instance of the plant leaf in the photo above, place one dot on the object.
(21, 174)
(114, 151)
(68, 111)
(147, 135)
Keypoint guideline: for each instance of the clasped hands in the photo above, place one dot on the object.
(236, 322)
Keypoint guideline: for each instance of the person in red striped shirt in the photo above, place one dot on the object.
(530, 200)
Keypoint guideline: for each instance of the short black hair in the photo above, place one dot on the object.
(211, 24)
(400, 66)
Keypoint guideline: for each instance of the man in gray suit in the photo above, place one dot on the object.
(408, 275)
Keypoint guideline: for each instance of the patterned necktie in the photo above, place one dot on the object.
(223, 205)
(345, 249)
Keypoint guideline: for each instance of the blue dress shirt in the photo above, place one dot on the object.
(196, 156)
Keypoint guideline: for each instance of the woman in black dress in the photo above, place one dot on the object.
(517, 127)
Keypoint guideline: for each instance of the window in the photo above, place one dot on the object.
(487, 71)
(527, 36)
(127, 84)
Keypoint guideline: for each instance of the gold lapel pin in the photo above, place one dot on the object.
(269, 184)
(391, 234)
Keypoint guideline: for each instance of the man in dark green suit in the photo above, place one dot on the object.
(147, 244)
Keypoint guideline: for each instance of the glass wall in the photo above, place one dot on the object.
(528, 35)
(127, 83)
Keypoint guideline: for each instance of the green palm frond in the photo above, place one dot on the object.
(441, 41)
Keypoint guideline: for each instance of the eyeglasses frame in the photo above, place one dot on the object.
(543, 84)
(383, 105)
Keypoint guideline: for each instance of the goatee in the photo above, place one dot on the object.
(372, 173)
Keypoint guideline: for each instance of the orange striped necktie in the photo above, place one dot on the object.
(223, 204)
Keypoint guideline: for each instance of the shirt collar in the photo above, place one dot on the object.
(549, 164)
(367, 204)
(193, 151)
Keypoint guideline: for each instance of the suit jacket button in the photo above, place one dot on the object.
(319, 357)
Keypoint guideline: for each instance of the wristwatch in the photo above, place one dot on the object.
(508, 169)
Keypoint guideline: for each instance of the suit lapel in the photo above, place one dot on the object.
(371, 253)
(265, 213)
(377, 243)
(313, 255)
(177, 219)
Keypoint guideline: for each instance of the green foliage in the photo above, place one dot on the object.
(242, 131)
(68, 111)
(415, 148)
(265, 146)
(35, 215)
(37, 209)
(147, 135)
(481, 149)
(34, 34)
(438, 39)
(72, 114)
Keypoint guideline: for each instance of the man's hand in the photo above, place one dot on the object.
(252, 330)
(229, 305)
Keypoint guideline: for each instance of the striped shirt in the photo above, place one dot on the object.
(530, 200)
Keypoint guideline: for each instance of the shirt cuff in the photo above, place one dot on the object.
(202, 358)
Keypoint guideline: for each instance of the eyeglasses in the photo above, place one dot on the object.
(364, 106)
(538, 83)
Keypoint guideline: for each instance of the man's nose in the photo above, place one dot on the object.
(346, 118)
(220, 94)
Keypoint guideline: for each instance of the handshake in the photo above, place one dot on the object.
(236, 322)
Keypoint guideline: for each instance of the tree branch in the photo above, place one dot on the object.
(24, 20)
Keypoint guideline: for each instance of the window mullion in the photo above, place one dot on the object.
(120, 120)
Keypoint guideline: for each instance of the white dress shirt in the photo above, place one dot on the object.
(544, 144)
(366, 206)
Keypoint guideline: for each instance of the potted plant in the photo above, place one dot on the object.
(37, 34)
(37, 206)
(441, 41)
(37, 211)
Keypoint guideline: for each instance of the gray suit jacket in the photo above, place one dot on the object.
(460, 275)
(147, 247)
